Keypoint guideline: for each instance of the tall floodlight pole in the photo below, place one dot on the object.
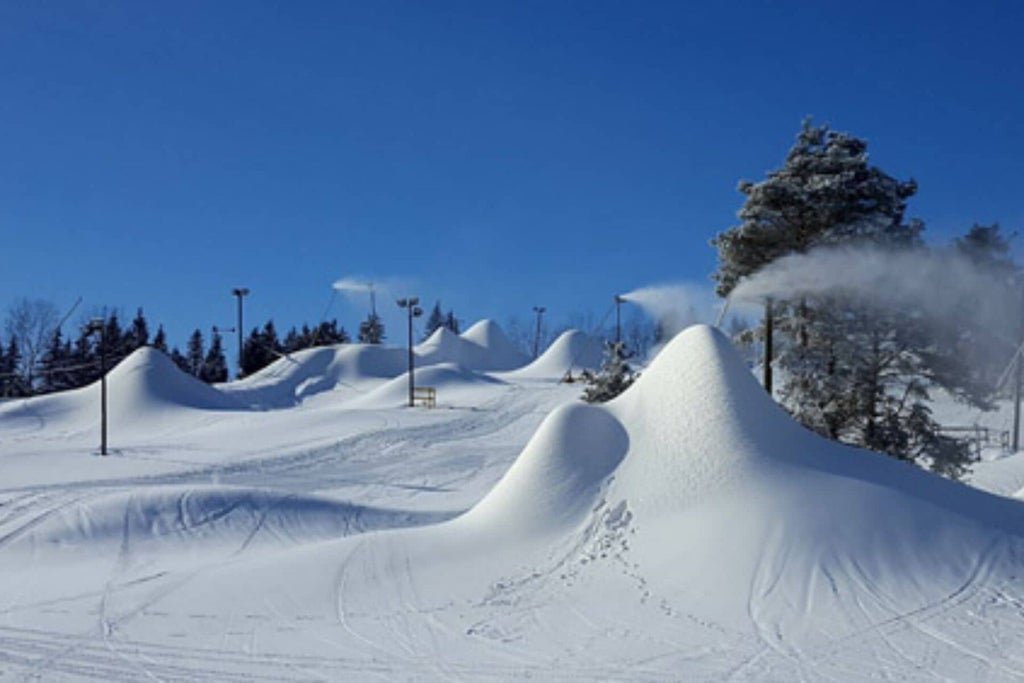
(769, 325)
(99, 325)
(618, 318)
(411, 305)
(539, 310)
(240, 292)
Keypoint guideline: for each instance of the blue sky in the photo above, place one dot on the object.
(492, 155)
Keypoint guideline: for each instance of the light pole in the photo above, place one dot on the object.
(539, 310)
(99, 325)
(618, 318)
(411, 305)
(240, 292)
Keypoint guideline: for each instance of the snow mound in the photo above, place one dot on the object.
(490, 349)
(290, 380)
(144, 389)
(450, 380)
(557, 478)
(443, 346)
(147, 380)
(573, 351)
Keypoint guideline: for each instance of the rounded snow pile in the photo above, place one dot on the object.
(558, 476)
(573, 351)
(291, 379)
(149, 380)
(443, 346)
(490, 349)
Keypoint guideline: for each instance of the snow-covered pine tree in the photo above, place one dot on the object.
(614, 377)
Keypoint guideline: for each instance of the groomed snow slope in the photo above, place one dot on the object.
(688, 530)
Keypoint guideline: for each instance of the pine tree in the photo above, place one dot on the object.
(14, 385)
(434, 321)
(371, 330)
(138, 335)
(54, 364)
(181, 360)
(614, 377)
(451, 322)
(195, 353)
(160, 340)
(215, 365)
(853, 372)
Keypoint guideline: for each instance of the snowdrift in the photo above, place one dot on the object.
(573, 351)
(289, 380)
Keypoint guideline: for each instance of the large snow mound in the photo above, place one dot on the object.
(557, 478)
(144, 387)
(490, 349)
(573, 351)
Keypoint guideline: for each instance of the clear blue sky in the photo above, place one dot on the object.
(493, 155)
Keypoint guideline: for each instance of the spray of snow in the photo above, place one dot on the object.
(942, 286)
(677, 306)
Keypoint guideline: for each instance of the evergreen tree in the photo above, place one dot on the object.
(371, 330)
(451, 323)
(53, 369)
(13, 384)
(138, 335)
(195, 354)
(614, 377)
(215, 365)
(434, 321)
(853, 372)
(260, 349)
(113, 340)
(160, 340)
(181, 360)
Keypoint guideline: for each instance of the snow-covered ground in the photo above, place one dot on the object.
(303, 524)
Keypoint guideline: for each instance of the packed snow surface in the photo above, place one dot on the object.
(688, 530)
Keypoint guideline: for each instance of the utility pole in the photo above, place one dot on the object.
(414, 311)
(769, 324)
(99, 325)
(240, 292)
(1018, 382)
(539, 310)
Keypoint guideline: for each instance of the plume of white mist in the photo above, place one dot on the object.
(674, 306)
(932, 283)
(353, 285)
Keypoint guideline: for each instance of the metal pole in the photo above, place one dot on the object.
(103, 390)
(240, 292)
(1016, 404)
(618, 319)
(539, 310)
(769, 323)
(412, 381)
